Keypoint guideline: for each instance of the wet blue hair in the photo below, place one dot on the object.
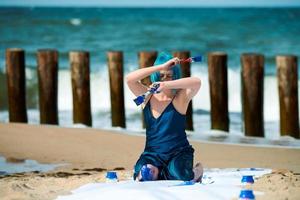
(162, 58)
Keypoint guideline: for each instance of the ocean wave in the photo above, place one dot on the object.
(76, 21)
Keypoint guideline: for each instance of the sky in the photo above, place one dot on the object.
(153, 3)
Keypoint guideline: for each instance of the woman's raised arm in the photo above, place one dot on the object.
(133, 78)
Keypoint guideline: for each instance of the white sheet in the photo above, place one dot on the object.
(217, 184)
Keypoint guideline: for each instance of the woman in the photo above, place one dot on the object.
(168, 154)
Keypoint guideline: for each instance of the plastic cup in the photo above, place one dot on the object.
(247, 179)
(111, 176)
(247, 195)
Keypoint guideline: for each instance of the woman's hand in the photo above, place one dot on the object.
(171, 63)
(162, 86)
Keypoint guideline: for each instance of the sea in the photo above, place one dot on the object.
(269, 31)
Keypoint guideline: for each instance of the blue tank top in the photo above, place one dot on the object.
(165, 133)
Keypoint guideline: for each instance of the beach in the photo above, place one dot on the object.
(87, 154)
(49, 161)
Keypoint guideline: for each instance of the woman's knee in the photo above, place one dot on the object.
(181, 168)
(152, 172)
(181, 174)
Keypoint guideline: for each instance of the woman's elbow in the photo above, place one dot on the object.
(197, 82)
(128, 79)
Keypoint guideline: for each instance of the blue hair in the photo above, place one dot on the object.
(162, 58)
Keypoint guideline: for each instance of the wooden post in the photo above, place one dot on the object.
(47, 69)
(16, 85)
(252, 94)
(115, 65)
(186, 72)
(146, 59)
(287, 70)
(80, 73)
(218, 88)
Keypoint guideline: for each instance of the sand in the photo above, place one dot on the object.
(89, 153)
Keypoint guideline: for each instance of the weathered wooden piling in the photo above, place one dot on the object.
(146, 59)
(252, 93)
(47, 70)
(218, 89)
(186, 72)
(16, 85)
(115, 65)
(80, 75)
(287, 74)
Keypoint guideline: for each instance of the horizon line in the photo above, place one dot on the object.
(158, 6)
